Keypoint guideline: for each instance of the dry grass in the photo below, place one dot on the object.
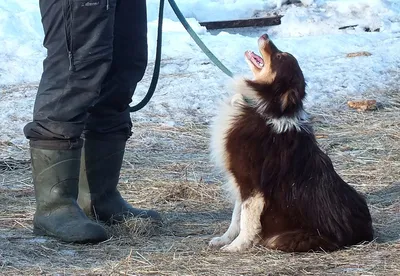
(167, 168)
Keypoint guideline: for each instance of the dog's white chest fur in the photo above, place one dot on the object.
(229, 110)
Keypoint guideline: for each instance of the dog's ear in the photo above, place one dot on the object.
(290, 99)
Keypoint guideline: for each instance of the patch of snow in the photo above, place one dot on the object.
(38, 240)
(190, 85)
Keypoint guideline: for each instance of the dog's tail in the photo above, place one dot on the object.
(299, 241)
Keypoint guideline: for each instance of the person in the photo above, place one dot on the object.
(96, 55)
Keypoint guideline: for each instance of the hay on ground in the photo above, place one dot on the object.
(167, 168)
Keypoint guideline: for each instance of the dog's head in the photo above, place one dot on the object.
(278, 79)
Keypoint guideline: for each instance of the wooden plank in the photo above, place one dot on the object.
(346, 27)
(242, 23)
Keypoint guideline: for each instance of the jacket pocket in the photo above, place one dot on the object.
(68, 19)
(92, 29)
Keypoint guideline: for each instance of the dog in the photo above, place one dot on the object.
(287, 195)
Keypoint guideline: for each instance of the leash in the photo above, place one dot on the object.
(157, 63)
(198, 41)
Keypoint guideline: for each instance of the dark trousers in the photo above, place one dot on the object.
(96, 55)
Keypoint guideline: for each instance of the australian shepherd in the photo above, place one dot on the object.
(287, 195)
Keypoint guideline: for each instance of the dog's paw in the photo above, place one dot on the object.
(237, 100)
(219, 241)
(236, 247)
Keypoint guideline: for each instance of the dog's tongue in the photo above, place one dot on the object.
(258, 58)
(255, 59)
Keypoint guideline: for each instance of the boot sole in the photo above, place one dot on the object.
(41, 232)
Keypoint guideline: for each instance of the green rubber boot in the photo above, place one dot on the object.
(56, 177)
(98, 195)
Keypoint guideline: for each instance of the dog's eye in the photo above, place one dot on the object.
(278, 56)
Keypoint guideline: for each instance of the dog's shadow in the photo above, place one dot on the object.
(385, 210)
(196, 223)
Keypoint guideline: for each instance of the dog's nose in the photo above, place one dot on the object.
(265, 36)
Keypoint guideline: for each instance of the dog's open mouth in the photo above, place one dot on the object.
(255, 59)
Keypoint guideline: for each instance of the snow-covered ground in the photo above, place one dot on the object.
(189, 85)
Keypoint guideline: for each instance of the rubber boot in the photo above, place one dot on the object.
(55, 177)
(98, 195)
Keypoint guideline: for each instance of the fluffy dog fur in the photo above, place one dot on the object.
(287, 195)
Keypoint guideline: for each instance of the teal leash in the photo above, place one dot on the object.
(198, 41)
(157, 63)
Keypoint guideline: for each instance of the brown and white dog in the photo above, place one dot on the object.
(287, 194)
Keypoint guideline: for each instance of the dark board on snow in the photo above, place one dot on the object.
(241, 23)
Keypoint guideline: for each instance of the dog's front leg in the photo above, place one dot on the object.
(233, 230)
(250, 224)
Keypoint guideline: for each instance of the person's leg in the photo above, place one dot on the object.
(79, 43)
(109, 123)
(110, 112)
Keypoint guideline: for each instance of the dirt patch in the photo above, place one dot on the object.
(168, 168)
(359, 54)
